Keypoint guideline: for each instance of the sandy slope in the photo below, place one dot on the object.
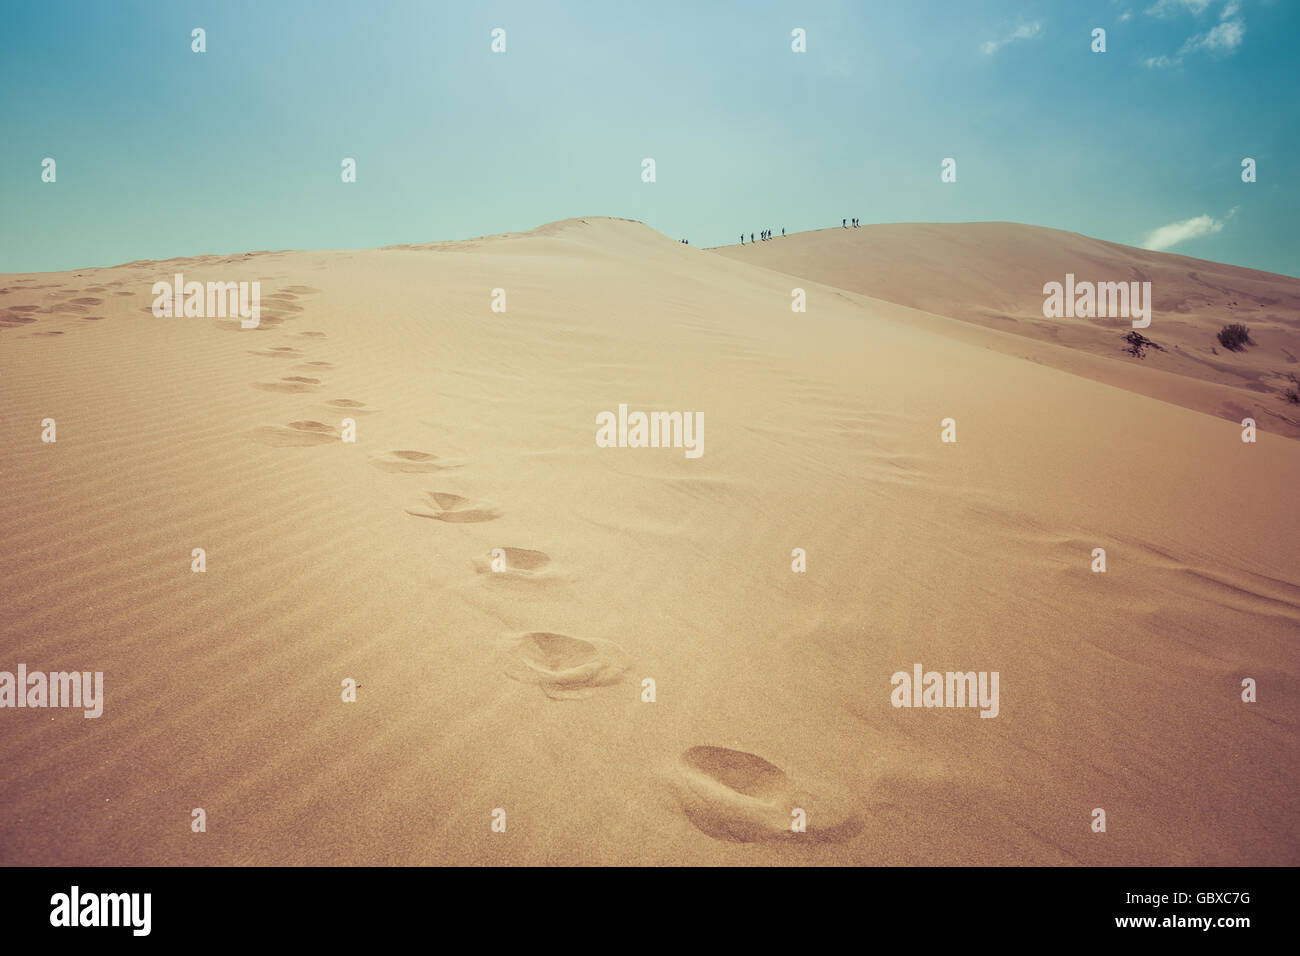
(522, 690)
(991, 275)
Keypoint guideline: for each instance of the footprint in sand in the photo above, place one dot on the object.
(301, 289)
(24, 308)
(296, 434)
(317, 365)
(353, 406)
(9, 320)
(314, 335)
(92, 318)
(279, 351)
(565, 668)
(52, 332)
(410, 461)
(738, 796)
(442, 506)
(291, 383)
(513, 563)
(123, 293)
(283, 305)
(88, 300)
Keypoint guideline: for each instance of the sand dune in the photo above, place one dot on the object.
(522, 689)
(991, 274)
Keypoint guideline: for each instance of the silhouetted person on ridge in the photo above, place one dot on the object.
(751, 237)
(783, 232)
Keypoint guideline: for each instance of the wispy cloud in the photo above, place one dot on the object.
(1026, 32)
(1172, 8)
(1221, 40)
(1171, 235)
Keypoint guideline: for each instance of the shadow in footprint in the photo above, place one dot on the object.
(443, 506)
(513, 562)
(415, 462)
(565, 668)
(738, 796)
(291, 383)
(355, 407)
(296, 434)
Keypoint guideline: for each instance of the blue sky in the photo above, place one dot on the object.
(164, 152)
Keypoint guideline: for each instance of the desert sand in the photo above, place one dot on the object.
(522, 690)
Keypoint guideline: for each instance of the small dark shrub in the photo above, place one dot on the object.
(1139, 343)
(1234, 337)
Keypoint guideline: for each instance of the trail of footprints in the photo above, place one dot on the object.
(66, 302)
(297, 434)
(727, 794)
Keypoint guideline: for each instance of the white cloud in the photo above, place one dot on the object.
(1026, 32)
(1223, 39)
(1125, 17)
(1171, 235)
(1171, 8)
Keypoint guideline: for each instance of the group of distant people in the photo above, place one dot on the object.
(764, 235)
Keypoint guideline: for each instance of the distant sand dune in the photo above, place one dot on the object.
(991, 274)
(630, 569)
